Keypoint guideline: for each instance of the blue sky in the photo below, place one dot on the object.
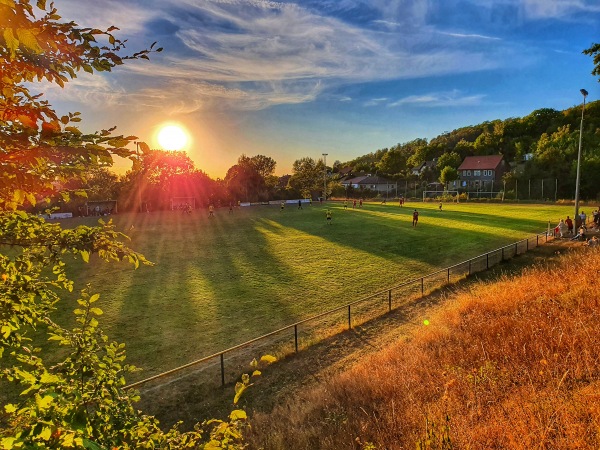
(347, 77)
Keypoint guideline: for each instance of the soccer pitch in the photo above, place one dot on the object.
(221, 281)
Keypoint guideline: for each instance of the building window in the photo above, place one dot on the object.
(477, 173)
(468, 173)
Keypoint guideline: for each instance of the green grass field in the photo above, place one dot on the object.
(221, 281)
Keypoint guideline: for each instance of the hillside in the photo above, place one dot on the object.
(541, 145)
(512, 363)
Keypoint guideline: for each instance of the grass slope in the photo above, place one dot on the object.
(511, 364)
(220, 281)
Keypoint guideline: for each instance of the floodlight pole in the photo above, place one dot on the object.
(584, 93)
(325, 176)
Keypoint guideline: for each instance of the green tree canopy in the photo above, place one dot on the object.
(78, 401)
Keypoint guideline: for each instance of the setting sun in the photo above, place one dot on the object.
(172, 137)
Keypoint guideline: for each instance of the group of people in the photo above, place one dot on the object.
(566, 228)
(353, 203)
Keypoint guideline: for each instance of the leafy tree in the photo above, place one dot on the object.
(594, 52)
(448, 174)
(308, 176)
(79, 401)
(451, 159)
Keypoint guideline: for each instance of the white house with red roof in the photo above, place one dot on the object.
(482, 172)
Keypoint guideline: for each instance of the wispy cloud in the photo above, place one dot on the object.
(470, 36)
(252, 54)
(558, 9)
(376, 101)
(436, 99)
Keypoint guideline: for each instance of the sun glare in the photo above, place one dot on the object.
(172, 137)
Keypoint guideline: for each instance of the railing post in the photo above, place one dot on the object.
(448, 275)
(422, 287)
(390, 300)
(502, 253)
(487, 260)
(537, 240)
(222, 370)
(516, 248)
(349, 319)
(527, 245)
(296, 337)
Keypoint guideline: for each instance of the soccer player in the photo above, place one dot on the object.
(282, 206)
(346, 204)
(440, 206)
(211, 211)
(415, 218)
(328, 216)
(299, 204)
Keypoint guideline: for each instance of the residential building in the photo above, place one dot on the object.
(373, 183)
(482, 172)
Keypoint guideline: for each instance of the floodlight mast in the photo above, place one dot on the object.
(585, 94)
(325, 176)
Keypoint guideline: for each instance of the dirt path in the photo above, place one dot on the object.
(190, 401)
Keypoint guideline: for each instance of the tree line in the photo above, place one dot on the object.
(541, 145)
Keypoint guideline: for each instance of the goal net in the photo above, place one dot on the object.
(181, 203)
(429, 196)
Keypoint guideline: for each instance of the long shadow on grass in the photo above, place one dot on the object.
(387, 232)
(203, 294)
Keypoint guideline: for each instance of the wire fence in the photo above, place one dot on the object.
(226, 366)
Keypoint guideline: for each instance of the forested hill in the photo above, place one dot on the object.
(551, 138)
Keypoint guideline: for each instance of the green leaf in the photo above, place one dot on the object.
(10, 408)
(96, 311)
(91, 445)
(46, 433)
(7, 443)
(11, 42)
(43, 403)
(94, 298)
(238, 414)
(85, 255)
(28, 39)
(269, 359)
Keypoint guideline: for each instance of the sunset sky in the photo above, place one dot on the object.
(345, 77)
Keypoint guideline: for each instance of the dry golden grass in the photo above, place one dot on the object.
(513, 364)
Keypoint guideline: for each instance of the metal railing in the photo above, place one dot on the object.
(354, 313)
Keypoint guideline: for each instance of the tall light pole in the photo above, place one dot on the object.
(584, 93)
(325, 176)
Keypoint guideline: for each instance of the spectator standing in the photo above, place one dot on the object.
(569, 223)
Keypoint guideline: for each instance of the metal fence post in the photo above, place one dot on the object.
(448, 275)
(537, 240)
(527, 245)
(296, 337)
(487, 260)
(349, 319)
(390, 300)
(422, 287)
(516, 248)
(222, 370)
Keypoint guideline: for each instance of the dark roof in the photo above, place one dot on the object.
(481, 162)
(367, 179)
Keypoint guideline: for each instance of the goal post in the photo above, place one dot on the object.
(182, 202)
(441, 195)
